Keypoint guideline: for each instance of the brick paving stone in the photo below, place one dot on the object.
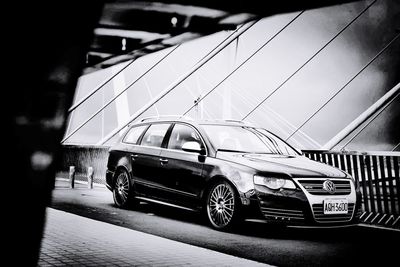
(71, 240)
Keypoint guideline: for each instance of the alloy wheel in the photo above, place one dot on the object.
(121, 189)
(221, 206)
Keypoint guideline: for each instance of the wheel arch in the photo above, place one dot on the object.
(118, 169)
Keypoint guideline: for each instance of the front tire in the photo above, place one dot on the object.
(223, 206)
(122, 192)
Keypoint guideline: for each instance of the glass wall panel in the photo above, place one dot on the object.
(379, 135)
(137, 95)
(310, 88)
(354, 99)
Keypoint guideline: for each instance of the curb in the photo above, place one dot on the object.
(379, 227)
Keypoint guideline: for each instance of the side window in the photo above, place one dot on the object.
(133, 135)
(182, 134)
(155, 135)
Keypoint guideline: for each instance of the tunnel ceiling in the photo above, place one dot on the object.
(128, 30)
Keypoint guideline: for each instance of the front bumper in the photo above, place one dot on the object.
(299, 207)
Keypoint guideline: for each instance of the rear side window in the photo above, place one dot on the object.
(133, 135)
(155, 135)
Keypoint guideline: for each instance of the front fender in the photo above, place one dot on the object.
(240, 176)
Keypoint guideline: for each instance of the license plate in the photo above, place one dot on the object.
(335, 206)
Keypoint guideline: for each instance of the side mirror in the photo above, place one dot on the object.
(193, 147)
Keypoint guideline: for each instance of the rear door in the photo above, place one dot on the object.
(146, 165)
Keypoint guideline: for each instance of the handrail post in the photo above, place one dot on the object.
(90, 177)
(71, 177)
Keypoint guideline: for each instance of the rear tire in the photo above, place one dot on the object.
(223, 206)
(122, 192)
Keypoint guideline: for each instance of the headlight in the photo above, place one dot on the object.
(274, 183)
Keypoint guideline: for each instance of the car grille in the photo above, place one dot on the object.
(319, 215)
(314, 187)
(283, 214)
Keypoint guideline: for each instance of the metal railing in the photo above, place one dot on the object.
(379, 178)
(83, 157)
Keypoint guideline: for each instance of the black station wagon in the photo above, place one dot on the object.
(229, 170)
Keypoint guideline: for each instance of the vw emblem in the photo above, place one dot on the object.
(329, 187)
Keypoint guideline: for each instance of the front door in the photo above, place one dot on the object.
(182, 171)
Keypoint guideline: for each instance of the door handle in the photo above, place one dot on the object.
(134, 156)
(163, 161)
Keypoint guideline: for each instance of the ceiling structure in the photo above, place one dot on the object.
(128, 30)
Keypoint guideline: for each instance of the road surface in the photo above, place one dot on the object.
(281, 246)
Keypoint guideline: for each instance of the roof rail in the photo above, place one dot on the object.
(226, 120)
(166, 117)
(243, 123)
(239, 121)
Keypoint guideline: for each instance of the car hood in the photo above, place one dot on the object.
(293, 166)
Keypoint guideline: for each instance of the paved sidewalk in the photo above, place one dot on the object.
(78, 241)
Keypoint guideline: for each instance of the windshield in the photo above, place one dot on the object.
(246, 139)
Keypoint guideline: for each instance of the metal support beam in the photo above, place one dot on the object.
(376, 107)
(181, 79)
